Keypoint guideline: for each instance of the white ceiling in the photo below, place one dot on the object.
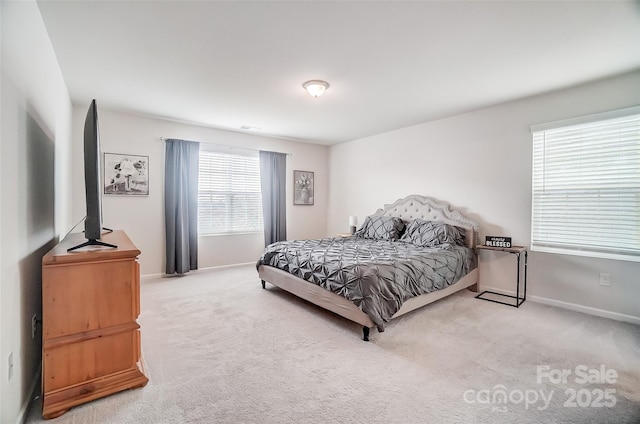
(390, 64)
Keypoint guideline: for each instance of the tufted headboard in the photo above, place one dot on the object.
(416, 206)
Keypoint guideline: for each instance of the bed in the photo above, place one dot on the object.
(390, 267)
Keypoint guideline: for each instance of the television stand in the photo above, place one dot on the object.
(94, 242)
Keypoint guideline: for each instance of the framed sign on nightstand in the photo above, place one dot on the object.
(497, 241)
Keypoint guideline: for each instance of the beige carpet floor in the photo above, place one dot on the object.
(220, 349)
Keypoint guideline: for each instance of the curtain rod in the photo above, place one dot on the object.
(228, 146)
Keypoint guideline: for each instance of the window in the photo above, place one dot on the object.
(586, 186)
(229, 199)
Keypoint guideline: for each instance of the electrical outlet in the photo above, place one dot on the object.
(10, 365)
(605, 279)
(34, 325)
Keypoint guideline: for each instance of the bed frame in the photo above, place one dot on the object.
(411, 207)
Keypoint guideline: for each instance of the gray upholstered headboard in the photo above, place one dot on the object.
(416, 206)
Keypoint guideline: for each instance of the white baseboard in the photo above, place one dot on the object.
(229, 266)
(24, 409)
(572, 306)
(162, 274)
(157, 274)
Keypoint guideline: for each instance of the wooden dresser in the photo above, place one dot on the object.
(91, 340)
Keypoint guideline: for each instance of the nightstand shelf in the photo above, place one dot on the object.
(517, 299)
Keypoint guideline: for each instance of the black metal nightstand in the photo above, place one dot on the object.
(516, 250)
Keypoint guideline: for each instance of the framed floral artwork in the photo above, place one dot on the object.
(126, 175)
(303, 188)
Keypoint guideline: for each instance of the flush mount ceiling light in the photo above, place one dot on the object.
(315, 87)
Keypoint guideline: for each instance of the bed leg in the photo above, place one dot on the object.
(474, 287)
(263, 284)
(365, 334)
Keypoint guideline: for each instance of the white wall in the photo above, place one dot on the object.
(35, 187)
(480, 163)
(143, 217)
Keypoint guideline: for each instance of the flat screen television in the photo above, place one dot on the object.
(92, 182)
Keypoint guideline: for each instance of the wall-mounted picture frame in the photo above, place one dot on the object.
(126, 175)
(303, 188)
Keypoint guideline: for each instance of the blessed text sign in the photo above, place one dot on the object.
(494, 241)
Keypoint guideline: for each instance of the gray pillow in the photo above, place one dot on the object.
(433, 233)
(381, 227)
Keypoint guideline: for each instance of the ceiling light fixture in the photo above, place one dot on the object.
(315, 87)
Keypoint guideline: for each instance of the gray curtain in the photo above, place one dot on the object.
(181, 205)
(273, 167)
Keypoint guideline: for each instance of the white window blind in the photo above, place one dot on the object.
(229, 199)
(586, 188)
